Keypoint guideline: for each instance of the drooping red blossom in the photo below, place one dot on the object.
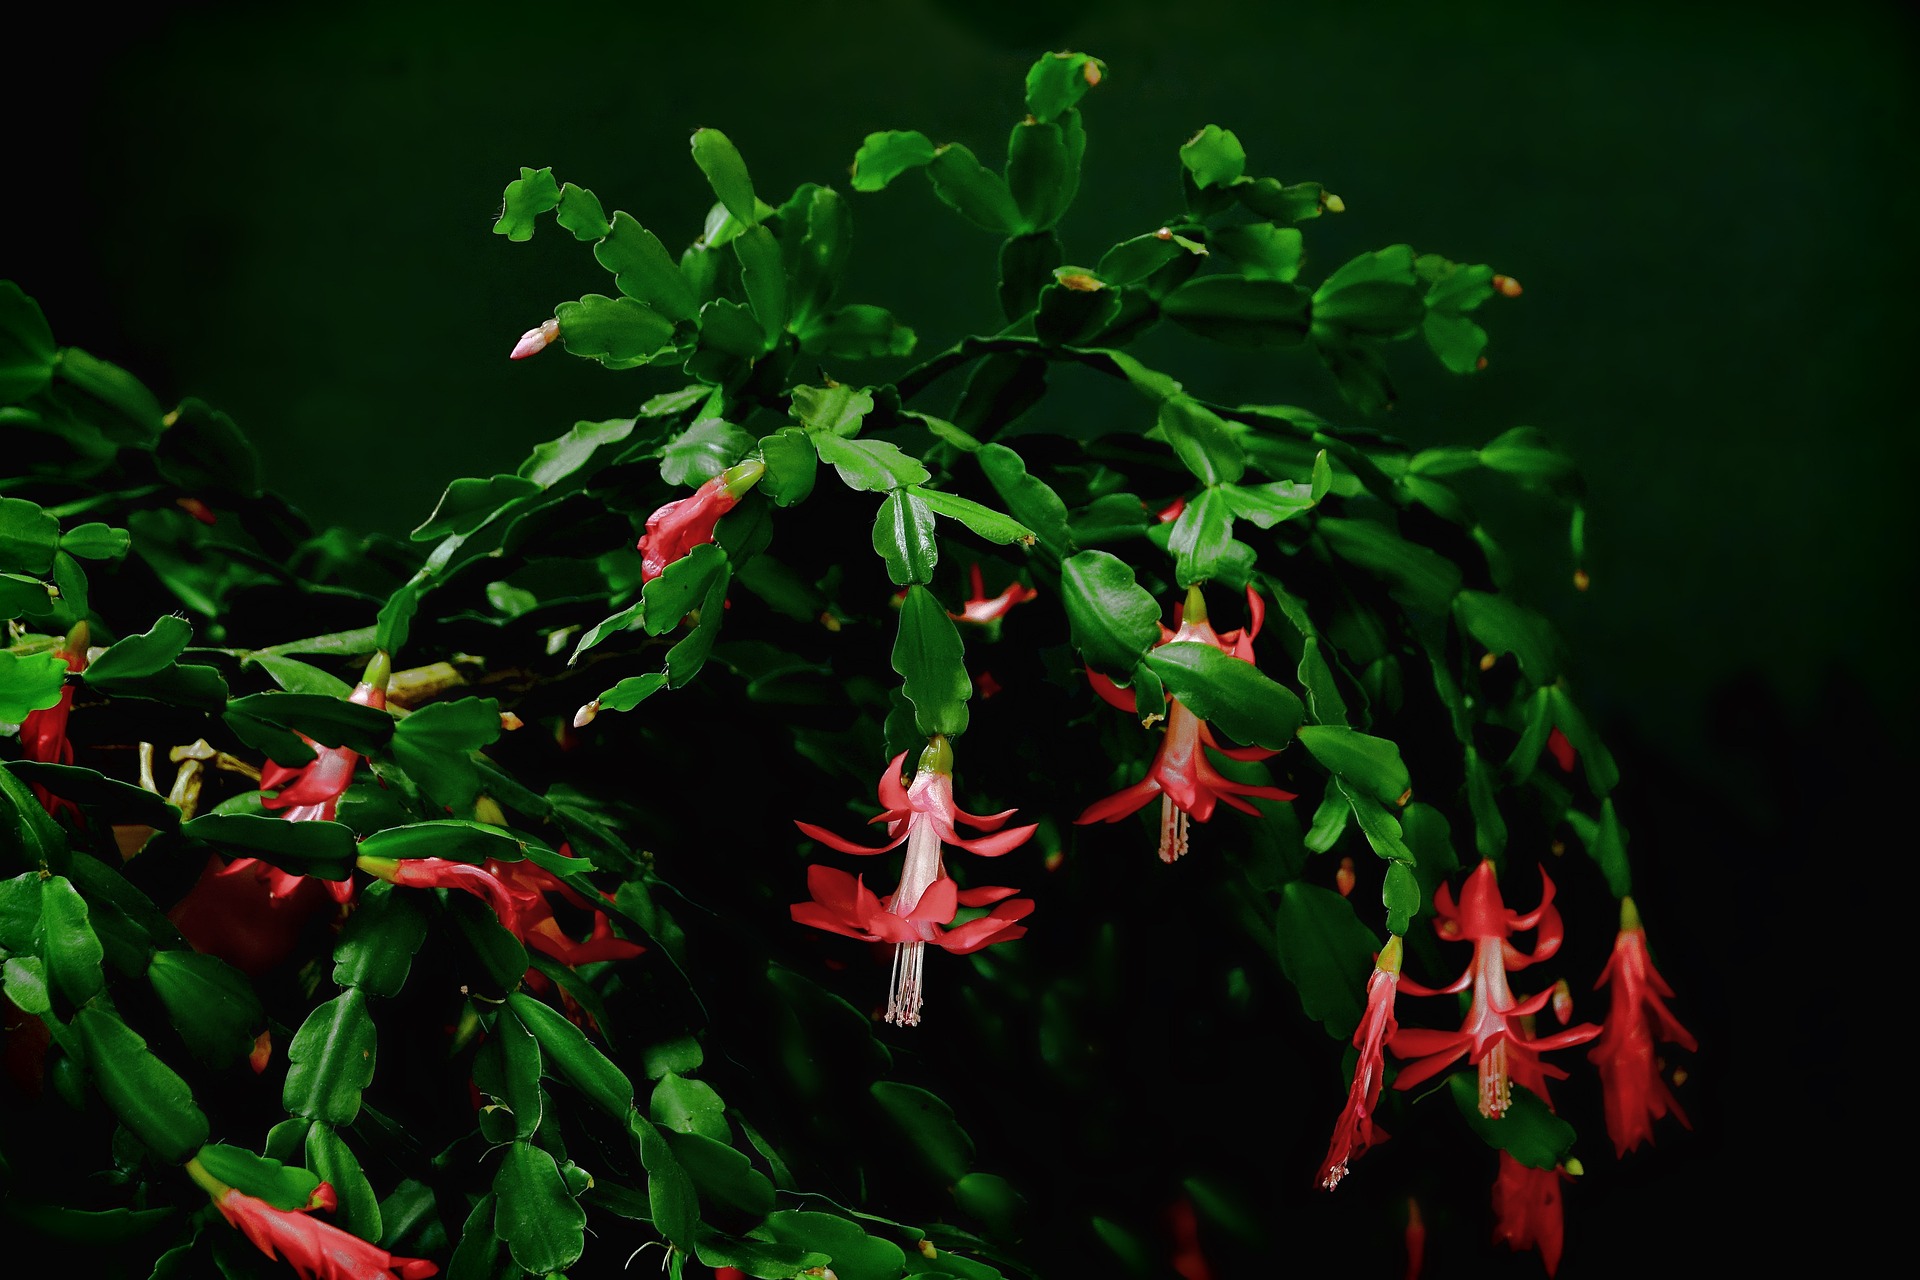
(312, 790)
(685, 523)
(1186, 780)
(1189, 1260)
(1356, 1129)
(1416, 1240)
(1492, 1037)
(1637, 1018)
(316, 1250)
(1527, 1210)
(981, 608)
(250, 913)
(43, 734)
(922, 816)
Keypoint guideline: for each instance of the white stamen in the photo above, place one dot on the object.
(1496, 1089)
(1173, 830)
(903, 1008)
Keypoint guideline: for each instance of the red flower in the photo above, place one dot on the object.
(312, 791)
(1356, 1130)
(1188, 783)
(1492, 1037)
(315, 1250)
(1416, 1238)
(1561, 750)
(685, 523)
(1637, 1017)
(43, 734)
(913, 915)
(1527, 1212)
(250, 913)
(982, 608)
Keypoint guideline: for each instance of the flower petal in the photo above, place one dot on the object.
(992, 846)
(985, 895)
(833, 841)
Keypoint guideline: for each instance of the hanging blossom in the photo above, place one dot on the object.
(1187, 782)
(982, 609)
(43, 734)
(1637, 1017)
(1356, 1130)
(917, 912)
(517, 893)
(1527, 1210)
(316, 1250)
(1493, 1036)
(685, 523)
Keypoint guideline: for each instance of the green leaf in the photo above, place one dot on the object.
(1214, 157)
(519, 1073)
(543, 1225)
(502, 958)
(126, 410)
(985, 521)
(142, 655)
(28, 537)
(329, 721)
(1529, 455)
(930, 659)
(1369, 763)
(1132, 261)
(581, 213)
(855, 1254)
(27, 349)
(930, 1125)
(1202, 539)
(868, 464)
(1327, 953)
(689, 1106)
(330, 1060)
(1240, 311)
(1234, 696)
(703, 451)
(670, 1195)
(1489, 827)
(686, 658)
(210, 1003)
(669, 597)
(1527, 1130)
(644, 271)
(396, 615)
(1374, 294)
(1503, 626)
(1417, 576)
(433, 745)
(1031, 500)
(20, 593)
(453, 838)
(532, 194)
(335, 1164)
(857, 332)
(29, 683)
(72, 951)
(791, 462)
(1602, 774)
(886, 155)
(1457, 341)
(143, 1092)
(726, 173)
(568, 1050)
(281, 1185)
(376, 948)
(32, 837)
(1269, 504)
(631, 692)
(618, 332)
(1043, 173)
(824, 221)
(681, 1054)
(1605, 841)
(727, 1183)
(1264, 251)
(296, 676)
(839, 410)
(96, 541)
(763, 274)
(323, 849)
(1203, 442)
(1112, 618)
(469, 503)
(476, 1255)
(903, 537)
(977, 194)
(26, 984)
(556, 459)
(1057, 82)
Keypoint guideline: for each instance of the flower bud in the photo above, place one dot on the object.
(1506, 286)
(536, 340)
(584, 716)
(1343, 878)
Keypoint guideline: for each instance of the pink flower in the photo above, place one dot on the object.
(982, 608)
(1356, 1129)
(536, 340)
(250, 913)
(1636, 1093)
(685, 523)
(1527, 1210)
(43, 734)
(1187, 782)
(312, 791)
(922, 816)
(315, 1250)
(1493, 1036)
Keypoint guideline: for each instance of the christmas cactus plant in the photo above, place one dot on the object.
(460, 905)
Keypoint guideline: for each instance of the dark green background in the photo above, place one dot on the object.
(1709, 206)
